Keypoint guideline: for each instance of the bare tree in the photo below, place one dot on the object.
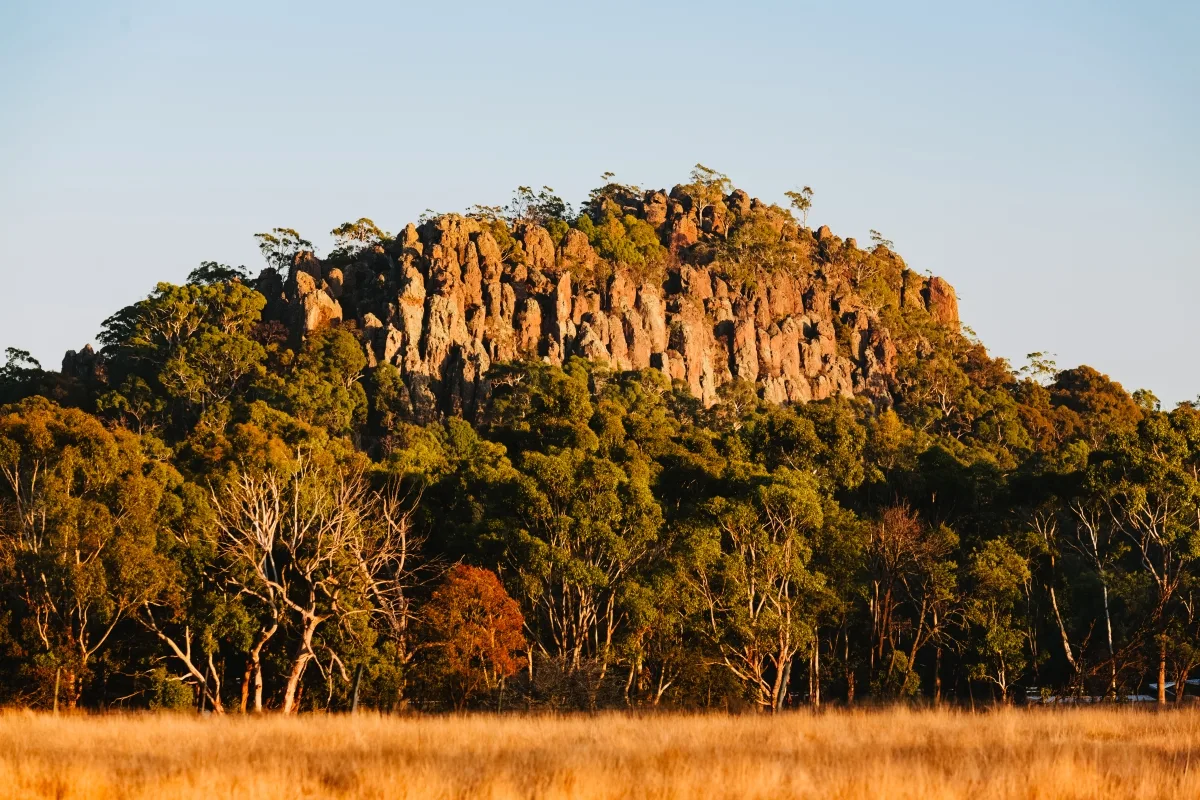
(389, 565)
(312, 546)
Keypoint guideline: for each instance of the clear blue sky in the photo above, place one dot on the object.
(1043, 156)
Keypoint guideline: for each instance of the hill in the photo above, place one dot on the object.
(676, 448)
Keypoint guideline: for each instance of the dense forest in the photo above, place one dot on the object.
(672, 450)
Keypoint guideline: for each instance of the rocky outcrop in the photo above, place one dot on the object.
(314, 307)
(941, 301)
(443, 302)
(86, 365)
(932, 294)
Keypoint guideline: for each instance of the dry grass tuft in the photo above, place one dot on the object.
(894, 754)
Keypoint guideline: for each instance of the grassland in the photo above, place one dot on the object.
(894, 754)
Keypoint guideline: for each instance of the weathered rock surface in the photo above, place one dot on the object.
(446, 303)
(941, 301)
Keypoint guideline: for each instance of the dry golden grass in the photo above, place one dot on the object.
(1089, 753)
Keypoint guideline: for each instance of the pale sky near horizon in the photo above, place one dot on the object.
(1042, 157)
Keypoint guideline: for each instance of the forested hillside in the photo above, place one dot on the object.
(669, 450)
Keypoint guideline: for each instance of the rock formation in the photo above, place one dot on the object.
(444, 301)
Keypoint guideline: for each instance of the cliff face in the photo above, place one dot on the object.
(446, 300)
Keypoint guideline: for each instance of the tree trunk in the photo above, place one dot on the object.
(1181, 682)
(846, 664)
(1112, 657)
(254, 669)
(247, 676)
(1162, 672)
(357, 683)
(258, 688)
(300, 661)
(72, 687)
(1062, 630)
(781, 688)
(663, 685)
(937, 677)
(815, 693)
(293, 683)
(185, 655)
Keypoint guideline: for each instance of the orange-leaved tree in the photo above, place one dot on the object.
(477, 629)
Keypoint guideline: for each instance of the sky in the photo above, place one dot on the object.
(1042, 157)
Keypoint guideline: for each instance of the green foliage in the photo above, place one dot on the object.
(801, 201)
(625, 241)
(756, 243)
(181, 350)
(354, 237)
(168, 693)
(324, 387)
(542, 208)
(210, 272)
(78, 539)
(999, 574)
(281, 246)
(218, 512)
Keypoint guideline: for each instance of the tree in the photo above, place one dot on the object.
(708, 187)
(281, 246)
(211, 367)
(309, 546)
(878, 240)
(909, 568)
(354, 237)
(182, 349)
(582, 527)
(1102, 405)
(1152, 493)
(325, 384)
(17, 363)
(1040, 367)
(758, 589)
(477, 631)
(210, 272)
(21, 375)
(537, 209)
(79, 511)
(998, 574)
(801, 201)
(1047, 541)
(1094, 542)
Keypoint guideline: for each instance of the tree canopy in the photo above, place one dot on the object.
(225, 511)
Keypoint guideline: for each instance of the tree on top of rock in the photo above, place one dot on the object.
(354, 237)
(281, 246)
(802, 202)
(538, 209)
(708, 187)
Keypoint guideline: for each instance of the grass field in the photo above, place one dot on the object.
(1090, 753)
